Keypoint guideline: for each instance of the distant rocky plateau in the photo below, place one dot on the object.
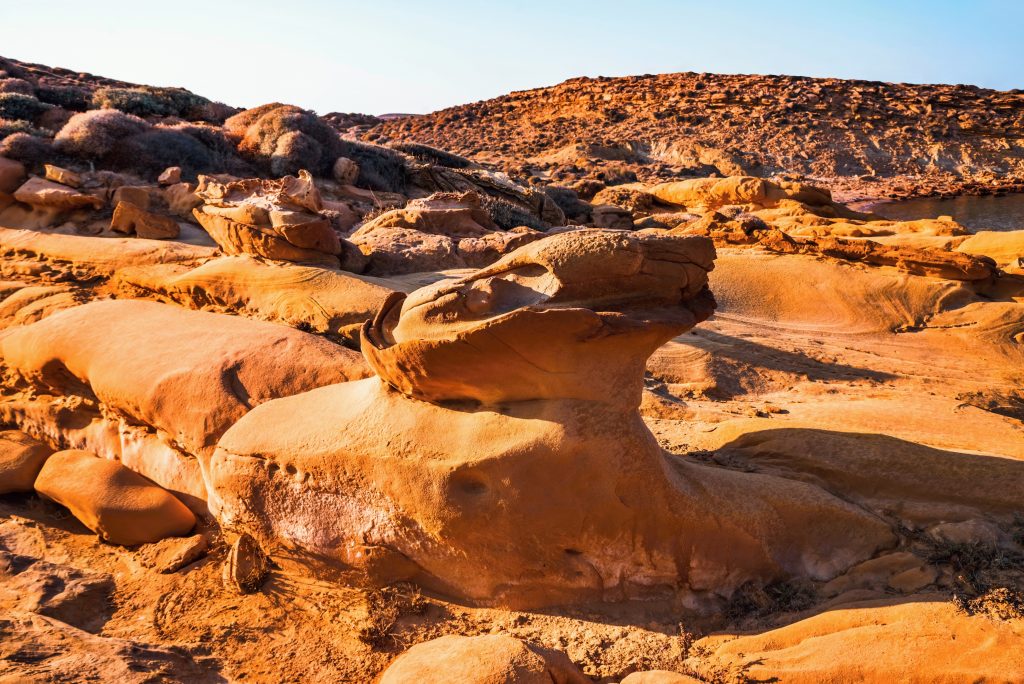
(864, 138)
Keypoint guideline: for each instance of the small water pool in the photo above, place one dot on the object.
(977, 213)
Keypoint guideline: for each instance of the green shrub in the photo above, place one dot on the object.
(19, 106)
(432, 155)
(150, 152)
(380, 168)
(72, 98)
(145, 101)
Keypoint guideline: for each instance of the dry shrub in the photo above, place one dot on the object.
(73, 98)
(294, 151)
(12, 126)
(93, 134)
(568, 201)
(16, 85)
(283, 139)
(30, 149)
(150, 152)
(509, 216)
(148, 101)
(380, 168)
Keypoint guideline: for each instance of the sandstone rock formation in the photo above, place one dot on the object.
(272, 219)
(445, 230)
(484, 522)
(117, 503)
(305, 297)
(110, 360)
(129, 218)
(21, 459)
(822, 479)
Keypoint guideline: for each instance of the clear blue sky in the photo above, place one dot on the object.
(380, 56)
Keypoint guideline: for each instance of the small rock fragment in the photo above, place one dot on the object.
(170, 176)
(346, 171)
(62, 176)
(172, 554)
(129, 218)
(131, 194)
(246, 566)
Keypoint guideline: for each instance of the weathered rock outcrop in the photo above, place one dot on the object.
(305, 297)
(122, 364)
(272, 219)
(752, 231)
(545, 485)
(706, 194)
(445, 230)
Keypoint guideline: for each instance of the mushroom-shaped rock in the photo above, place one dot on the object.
(118, 504)
(21, 459)
(500, 455)
(488, 659)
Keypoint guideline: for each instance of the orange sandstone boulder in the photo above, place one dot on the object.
(62, 176)
(487, 659)
(142, 358)
(21, 458)
(39, 192)
(121, 506)
(129, 218)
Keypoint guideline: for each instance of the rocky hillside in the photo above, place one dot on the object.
(916, 139)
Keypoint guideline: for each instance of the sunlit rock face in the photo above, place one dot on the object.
(499, 455)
